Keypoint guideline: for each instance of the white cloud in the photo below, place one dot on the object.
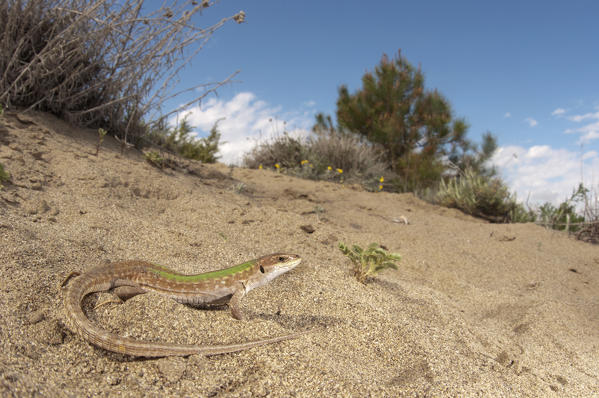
(541, 173)
(531, 122)
(580, 118)
(538, 151)
(245, 120)
(507, 115)
(587, 132)
(558, 112)
(591, 135)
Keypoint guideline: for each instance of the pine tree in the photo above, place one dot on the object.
(414, 125)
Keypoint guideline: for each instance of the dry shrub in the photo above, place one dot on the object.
(285, 150)
(359, 160)
(349, 153)
(105, 63)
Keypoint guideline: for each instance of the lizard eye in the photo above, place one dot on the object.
(262, 269)
(281, 258)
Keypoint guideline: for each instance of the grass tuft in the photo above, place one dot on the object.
(478, 195)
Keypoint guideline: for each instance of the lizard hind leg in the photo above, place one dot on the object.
(121, 294)
(127, 292)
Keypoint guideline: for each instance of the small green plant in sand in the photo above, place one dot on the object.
(101, 135)
(4, 176)
(240, 188)
(369, 261)
(155, 159)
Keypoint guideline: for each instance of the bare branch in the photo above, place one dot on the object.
(101, 63)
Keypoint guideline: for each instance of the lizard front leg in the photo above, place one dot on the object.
(235, 302)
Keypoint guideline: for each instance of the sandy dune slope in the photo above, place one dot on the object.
(475, 309)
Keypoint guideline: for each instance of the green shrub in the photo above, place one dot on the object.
(559, 217)
(180, 141)
(418, 172)
(480, 196)
(520, 214)
(370, 261)
(155, 159)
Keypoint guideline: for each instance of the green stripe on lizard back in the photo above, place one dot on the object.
(168, 274)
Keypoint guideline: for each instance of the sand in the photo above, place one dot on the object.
(475, 309)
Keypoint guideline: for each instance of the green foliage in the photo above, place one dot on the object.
(204, 149)
(180, 140)
(557, 217)
(4, 175)
(155, 159)
(418, 171)
(370, 261)
(415, 126)
(479, 195)
(520, 214)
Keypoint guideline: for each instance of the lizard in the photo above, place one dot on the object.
(130, 278)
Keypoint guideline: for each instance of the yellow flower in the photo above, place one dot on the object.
(260, 167)
(382, 179)
(380, 187)
(339, 171)
(303, 162)
(329, 168)
(277, 166)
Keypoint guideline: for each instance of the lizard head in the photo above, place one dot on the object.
(269, 267)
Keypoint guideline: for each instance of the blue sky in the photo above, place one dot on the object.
(527, 71)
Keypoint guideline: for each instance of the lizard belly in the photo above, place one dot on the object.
(198, 298)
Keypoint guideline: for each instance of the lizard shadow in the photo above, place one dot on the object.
(286, 321)
(296, 322)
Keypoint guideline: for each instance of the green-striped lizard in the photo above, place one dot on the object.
(130, 278)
